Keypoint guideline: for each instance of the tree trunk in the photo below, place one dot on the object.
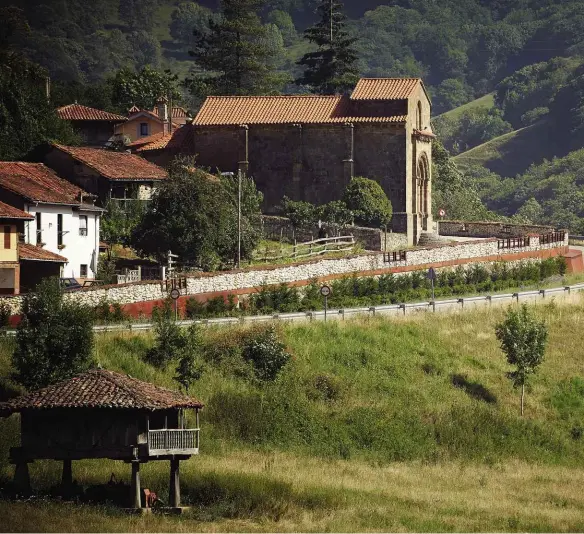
(522, 397)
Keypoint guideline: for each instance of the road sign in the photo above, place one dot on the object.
(174, 294)
(325, 291)
(442, 213)
(431, 274)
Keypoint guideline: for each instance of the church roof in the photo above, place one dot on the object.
(292, 109)
(385, 88)
(100, 388)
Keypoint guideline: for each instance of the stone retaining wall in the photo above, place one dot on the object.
(490, 229)
(246, 281)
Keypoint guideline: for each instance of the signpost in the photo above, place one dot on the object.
(174, 295)
(325, 291)
(431, 276)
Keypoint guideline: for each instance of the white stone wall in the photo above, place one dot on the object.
(253, 278)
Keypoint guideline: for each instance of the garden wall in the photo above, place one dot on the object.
(490, 229)
(142, 296)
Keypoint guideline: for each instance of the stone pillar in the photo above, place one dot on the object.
(174, 489)
(136, 490)
(22, 478)
(349, 161)
(243, 163)
(297, 164)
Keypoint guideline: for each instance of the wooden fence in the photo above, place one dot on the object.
(307, 249)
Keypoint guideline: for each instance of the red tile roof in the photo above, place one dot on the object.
(179, 113)
(99, 388)
(115, 165)
(181, 140)
(302, 109)
(10, 212)
(77, 112)
(34, 253)
(385, 88)
(38, 183)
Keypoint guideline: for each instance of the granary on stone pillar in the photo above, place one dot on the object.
(102, 414)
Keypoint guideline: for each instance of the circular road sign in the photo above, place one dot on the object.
(441, 213)
(325, 291)
(174, 293)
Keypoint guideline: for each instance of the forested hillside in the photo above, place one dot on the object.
(520, 59)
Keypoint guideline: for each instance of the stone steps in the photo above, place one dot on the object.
(429, 239)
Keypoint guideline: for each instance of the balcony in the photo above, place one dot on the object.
(179, 441)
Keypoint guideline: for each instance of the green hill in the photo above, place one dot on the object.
(486, 102)
(405, 425)
(512, 153)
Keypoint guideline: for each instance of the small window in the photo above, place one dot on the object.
(7, 236)
(419, 117)
(39, 237)
(83, 270)
(143, 128)
(83, 225)
(59, 229)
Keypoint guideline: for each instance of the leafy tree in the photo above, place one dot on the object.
(119, 222)
(285, 24)
(368, 202)
(54, 340)
(450, 94)
(169, 341)
(138, 14)
(187, 20)
(302, 215)
(143, 88)
(193, 215)
(236, 54)
(332, 68)
(523, 339)
(26, 118)
(531, 212)
(336, 215)
(189, 366)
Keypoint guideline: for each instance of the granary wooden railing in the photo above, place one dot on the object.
(397, 255)
(169, 440)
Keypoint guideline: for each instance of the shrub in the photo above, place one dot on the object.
(5, 313)
(266, 352)
(169, 338)
(54, 340)
(368, 202)
(301, 214)
(189, 367)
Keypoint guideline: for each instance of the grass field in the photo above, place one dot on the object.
(487, 101)
(416, 429)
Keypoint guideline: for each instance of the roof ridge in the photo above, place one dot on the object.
(275, 96)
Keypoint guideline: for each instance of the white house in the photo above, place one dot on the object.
(66, 222)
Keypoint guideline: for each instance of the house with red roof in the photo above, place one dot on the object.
(106, 174)
(60, 234)
(147, 122)
(308, 147)
(95, 126)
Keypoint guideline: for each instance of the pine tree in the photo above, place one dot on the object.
(237, 53)
(332, 68)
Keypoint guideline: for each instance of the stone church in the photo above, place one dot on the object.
(308, 147)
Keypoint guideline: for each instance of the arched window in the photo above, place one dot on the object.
(419, 117)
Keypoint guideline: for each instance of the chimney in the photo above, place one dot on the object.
(162, 108)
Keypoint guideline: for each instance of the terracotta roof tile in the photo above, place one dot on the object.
(34, 253)
(77, 112)
(10, 212)
(181, 140)
(302, 109)
(115, 165)
(384, 88)
(100, 388)
(36, 182)
(179, 113)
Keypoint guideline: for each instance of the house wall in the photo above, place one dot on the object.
(78, 249)
(8, 279)
(131, 128)
(94, 133)
(8, 254)
(33, 272)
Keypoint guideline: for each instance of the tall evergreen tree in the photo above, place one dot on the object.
(236, 54)
(332, 67)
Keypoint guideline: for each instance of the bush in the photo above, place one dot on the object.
(5, 313)
(54, 340)
(169, 338)
(302, 215)
(368, 202)
(266, 352)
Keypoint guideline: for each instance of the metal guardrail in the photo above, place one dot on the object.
(343, 313)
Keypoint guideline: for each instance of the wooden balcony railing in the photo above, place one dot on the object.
(179, 441)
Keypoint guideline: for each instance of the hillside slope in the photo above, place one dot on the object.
(374, 425)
